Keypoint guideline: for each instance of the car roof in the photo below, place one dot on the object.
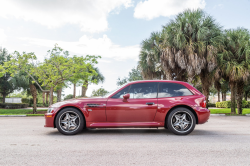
(170, 81)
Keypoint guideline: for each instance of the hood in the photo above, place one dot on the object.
(79, 101)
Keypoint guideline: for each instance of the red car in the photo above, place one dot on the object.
(174, 105)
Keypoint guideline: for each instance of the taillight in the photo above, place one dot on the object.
(203, 103)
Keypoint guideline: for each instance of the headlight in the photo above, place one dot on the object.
(49, 110)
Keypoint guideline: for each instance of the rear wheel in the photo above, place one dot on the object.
(181, 121)
(69, 121)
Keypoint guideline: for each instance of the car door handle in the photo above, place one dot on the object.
(150, 103)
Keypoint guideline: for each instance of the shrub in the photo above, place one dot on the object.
(40, 105)
(245, 104)
(25, 100)
(13, 105)
(68, 97)
(211, 105)
(227, 104)
(223, 104)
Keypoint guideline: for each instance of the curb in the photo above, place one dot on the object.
(247, 114)
(217, 114)
(12, 115)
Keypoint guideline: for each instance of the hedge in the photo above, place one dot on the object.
(227, 104)
(40, 105)
(28, 100)
(211, 105)
(13, 105)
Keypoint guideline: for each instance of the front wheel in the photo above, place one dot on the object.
(181, 121)
(69, 121)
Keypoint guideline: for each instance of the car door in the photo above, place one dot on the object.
(140, 107)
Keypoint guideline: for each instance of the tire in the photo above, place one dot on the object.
(181, 121)
(69, 121)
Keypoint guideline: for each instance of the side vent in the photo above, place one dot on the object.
(96, 105)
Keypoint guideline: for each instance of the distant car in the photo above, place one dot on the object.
(175, 105)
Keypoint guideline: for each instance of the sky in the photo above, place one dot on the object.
(112, 29)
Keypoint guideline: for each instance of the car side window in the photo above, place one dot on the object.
(172, 90)
(143, 90)
(121, 93)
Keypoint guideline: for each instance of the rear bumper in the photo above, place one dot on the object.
(203, 115)
(49, 119)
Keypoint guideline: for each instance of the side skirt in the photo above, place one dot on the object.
(123, 124)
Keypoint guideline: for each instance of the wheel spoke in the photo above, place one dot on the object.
(182, 127)
(183, 117)
(73, 118)
(177, 117)
(67, 126)
(64, 121)
(186, 122)
(67, 117)
(176, 123)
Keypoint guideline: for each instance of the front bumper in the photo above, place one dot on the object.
(49, 119)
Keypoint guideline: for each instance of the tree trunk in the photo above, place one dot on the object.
(4, 96)
(246, 93)
(74, 91)
(232, 88)
(51, 96)
(47, 97)
(224, 96)
(84, 88)
(59, 95)
(33, 92)
(205, 84)
(164, 77)
(219, 96)
(240, 90)
(44, 99)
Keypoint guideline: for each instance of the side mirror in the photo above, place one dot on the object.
(126, 97)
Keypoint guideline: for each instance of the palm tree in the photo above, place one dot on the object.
(22, 80)
(234, 61)
(149, 58)
(189, 46)
(96, 79)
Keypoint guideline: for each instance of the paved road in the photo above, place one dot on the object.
(222, 141)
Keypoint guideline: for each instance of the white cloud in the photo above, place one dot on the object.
(90, 15)
(2, 36)
(92, 46)
(155, 8)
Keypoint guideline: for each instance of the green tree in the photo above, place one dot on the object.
(54, 70)
(99, 92)
(134, 75)
(59, 68)
(189, 44)
(7, 83)
(234, 61)
(26, 83)
(95, 79)
(149, 58)
(2, 71)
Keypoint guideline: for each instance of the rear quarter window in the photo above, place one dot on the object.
(172, 90)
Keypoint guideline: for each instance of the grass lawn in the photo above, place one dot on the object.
(228, 110)
(19, 111)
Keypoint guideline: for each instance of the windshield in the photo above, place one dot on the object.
(113, 91)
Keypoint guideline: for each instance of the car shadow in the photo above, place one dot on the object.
(135, 131)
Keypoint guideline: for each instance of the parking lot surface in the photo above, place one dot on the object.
(224, 140)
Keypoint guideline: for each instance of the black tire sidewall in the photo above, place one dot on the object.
(169, 125)
(82, 122)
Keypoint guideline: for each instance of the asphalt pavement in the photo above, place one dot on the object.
(223, 140)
